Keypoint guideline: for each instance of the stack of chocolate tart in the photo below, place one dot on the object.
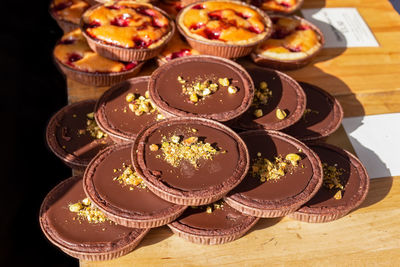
(202, 145)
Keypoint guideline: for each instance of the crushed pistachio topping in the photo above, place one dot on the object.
(265, 170)
(232, 89)
(258, 113)
(280, 114)
(197, 90)
(86, 211)
(262, 94)
(224, 81)
(308, 112)
(92, 127)
(154, 147)
(210, 208)
(191, 149)
(139, 104)
(332, 179)
(129, 177)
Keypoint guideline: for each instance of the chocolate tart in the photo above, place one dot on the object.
(321, 118)
(326, 206)
(281, 195)
(67, 13)
(114, 116)
(293, 44)
(176, 48)
(222, 225)
(277, 6)
(78, 237)
(112, 31)
(221, 105)
(186, 183)
(125, 203)
(78, 62)
(284, 94)
(69, 137)
(224, 28)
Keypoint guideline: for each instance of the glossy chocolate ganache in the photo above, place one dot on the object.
(274, 90)
(337, 198)
(125, 109)
(221, 164)
(287, 186)
(212, 224)
(170, 86)
(73, 233)
(73, 135)
(322, 116)
(112, 184)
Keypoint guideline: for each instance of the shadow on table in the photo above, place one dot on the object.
(155, 235)
(396, 5)
(264, 223)
(378, 189)
(351, 107)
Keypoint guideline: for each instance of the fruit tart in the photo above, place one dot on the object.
(76, 60)
(277, 6)
(176, 48)
(127, 30)
(294, 42)
(223, 28)
(68, 13)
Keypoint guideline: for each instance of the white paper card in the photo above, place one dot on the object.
(342, 27)
(376, 140)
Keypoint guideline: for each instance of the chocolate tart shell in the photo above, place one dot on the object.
(290, 64)
(117, 135)
(201, 196)
(212, 236)
(327, 213)
(247, 120)
(85, 252)
(126, 54)
(323, 132)
(97, 78)
(170, 111)
(70, 160)
(128, 218)
(277, 208)
(221, 49)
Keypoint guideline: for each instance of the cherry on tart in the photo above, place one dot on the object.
(345, 186)
(293, 44)
(190, 161)
(279, 101)
(212, 224)
(284, 174)
(223, 28)
(116, 189)
(322, 116)
(73, 135)
(201, 86)
(277, 6)
(176, 48)
(127, 30)
(71, 222)
(68, 13)
(125, 109)
(78, 62)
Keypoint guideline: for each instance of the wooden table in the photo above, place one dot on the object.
(366, 81)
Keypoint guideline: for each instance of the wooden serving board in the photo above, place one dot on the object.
(366, 81)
